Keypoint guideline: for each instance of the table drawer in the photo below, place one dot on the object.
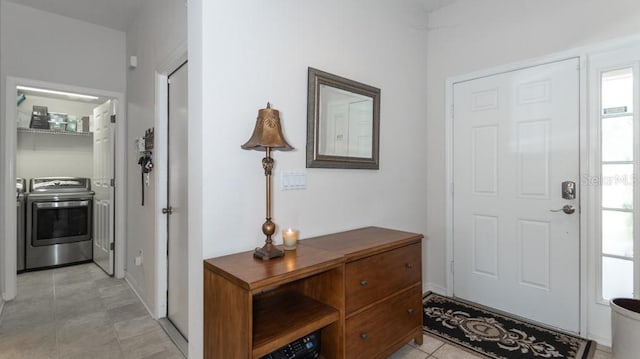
(370, 332)
(373, 278)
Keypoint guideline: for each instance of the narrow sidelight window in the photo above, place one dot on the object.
(618, 174)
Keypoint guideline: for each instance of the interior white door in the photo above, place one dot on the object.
(103, 173)
(177, 220)
(515, 140)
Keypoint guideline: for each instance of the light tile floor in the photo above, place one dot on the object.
(79, 312)
(434, 348)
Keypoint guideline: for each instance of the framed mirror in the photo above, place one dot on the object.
(343, 122)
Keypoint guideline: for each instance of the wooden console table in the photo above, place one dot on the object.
(363, 288)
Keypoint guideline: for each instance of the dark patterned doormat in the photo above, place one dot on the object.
(495, 335)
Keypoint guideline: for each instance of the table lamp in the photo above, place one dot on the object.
(267, 135)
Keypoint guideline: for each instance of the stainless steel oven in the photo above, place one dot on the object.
(59, 222)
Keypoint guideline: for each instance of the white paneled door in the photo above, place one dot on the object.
(103, 173)
(177, 219)
(515, 141)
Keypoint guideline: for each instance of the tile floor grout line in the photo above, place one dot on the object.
(431, 355)
(113, 328)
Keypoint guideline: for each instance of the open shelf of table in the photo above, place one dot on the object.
(253, 307)
(286, 316)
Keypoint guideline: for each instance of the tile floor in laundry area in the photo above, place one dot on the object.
(80, 312)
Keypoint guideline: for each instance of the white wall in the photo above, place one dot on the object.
(257, 51)
(196, 110)
(473, 35)
(2, 180)
(46, 47)
(54, 155)
(53, 48)
(159, 29)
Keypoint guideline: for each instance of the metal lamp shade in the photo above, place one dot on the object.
(268, 132)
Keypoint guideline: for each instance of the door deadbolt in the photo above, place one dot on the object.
(569, 190)
(567, 208)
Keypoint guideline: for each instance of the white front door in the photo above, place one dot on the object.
(515, 140)
(103, 173)
(177, 220)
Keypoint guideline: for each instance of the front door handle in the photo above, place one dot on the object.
(567, 208)
(167, 210)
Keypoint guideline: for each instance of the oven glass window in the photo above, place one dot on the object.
(62, 223)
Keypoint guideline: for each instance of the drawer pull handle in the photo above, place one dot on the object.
(364, 283)
(364, 336)
(409, 265)
(410, 311)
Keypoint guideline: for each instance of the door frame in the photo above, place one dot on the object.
(171, 128)
(9, 129)
(161, 153)
(583, 165)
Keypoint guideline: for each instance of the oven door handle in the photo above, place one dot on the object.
(62, 204)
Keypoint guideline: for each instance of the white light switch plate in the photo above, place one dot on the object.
(294, 180)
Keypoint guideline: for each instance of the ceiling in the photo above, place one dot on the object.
(118, 14)
(114, 14)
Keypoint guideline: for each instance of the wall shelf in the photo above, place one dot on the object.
(53, 132)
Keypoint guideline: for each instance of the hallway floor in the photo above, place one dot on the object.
(79, 312)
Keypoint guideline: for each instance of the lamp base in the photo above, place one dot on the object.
(268, 251)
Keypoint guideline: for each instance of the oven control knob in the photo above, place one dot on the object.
(167, 210)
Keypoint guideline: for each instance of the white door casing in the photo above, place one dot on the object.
(177, 220)
(8, 157)
(103, 173)
(515, 140)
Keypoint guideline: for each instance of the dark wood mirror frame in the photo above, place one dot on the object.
(317, 122)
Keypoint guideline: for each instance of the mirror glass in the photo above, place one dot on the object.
(347, 120)
(343, 122)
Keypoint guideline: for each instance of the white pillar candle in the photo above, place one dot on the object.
(290, 238)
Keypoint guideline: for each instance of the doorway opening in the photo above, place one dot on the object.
(177, 60)
(20, 156)
(514, 229)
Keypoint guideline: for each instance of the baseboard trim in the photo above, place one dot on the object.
(435, 288)
(175, 336)
(133, 285)
(604, 344)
